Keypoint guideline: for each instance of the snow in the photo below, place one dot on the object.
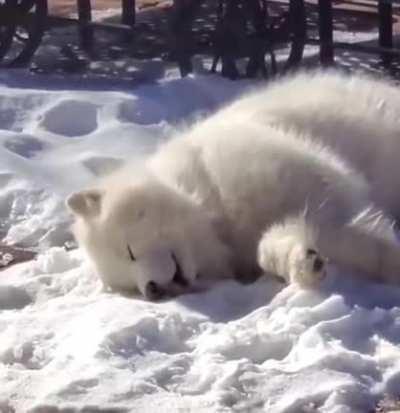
(65, 345)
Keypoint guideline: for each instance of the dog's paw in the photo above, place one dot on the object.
(308, 268)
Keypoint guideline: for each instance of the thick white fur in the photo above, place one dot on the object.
(280, 181)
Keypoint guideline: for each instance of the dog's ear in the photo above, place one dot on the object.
(85, 203)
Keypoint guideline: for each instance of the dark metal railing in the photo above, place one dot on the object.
(244, 28)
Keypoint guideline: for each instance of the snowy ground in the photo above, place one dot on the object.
(65, 346)
(63, 343)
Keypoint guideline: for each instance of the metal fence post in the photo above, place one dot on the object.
(85, 31)
(326, 31)
(385, 11)
(128, 12)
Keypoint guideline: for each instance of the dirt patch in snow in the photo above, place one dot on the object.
(13, 254)
(67, 7)
(10, 255)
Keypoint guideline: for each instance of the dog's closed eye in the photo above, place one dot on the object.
(131, 256)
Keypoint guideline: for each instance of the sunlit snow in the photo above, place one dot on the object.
(65, 344)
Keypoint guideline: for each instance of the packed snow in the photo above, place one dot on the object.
(65, 345)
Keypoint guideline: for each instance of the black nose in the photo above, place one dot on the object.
(318, 264)
(153, 291)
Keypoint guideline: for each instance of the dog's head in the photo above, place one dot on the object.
(143, 235)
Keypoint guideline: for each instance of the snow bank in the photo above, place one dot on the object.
(67, 346)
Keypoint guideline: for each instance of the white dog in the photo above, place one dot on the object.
(278, 182)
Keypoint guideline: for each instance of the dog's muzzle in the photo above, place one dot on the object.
(154, 291)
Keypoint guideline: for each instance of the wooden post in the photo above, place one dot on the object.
(326, 31)
(128, 12)
(85, 31)
(385, 11)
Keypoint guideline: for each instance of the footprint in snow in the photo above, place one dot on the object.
(71, 118)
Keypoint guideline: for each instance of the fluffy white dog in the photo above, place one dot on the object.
(279, 182)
